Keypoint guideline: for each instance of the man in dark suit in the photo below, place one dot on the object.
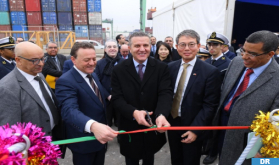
(124, 52)
(215, 43)
(196, 87)
(68, 64)
(250, 85)
(54, 63)
(141, 85)
(7, 64)
(120, 41)
(226, 50)
(82, 99)
(175, 55)
(25, 95)
(153, 46)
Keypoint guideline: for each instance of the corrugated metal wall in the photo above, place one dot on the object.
(82, 16)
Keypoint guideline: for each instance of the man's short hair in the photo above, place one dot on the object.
(110, 40)
(270, 40)
(50, 42)
(169, 37)
(153, 36)
(188, 33)
(118, 37)
(20, 37)
(138, 34)
(78, 45)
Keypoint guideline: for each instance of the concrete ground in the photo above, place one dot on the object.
(113, 156)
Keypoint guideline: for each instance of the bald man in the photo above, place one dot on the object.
(28, 98)
(124, 51)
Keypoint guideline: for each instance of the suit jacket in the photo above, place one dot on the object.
(221, 64)
(230, 55)
(105, 79)
(79, 104)
(262, 94)
(129, 93)
(201, 96)
(68, 64)
(175, 55)
(50, 68)
(276, 59)
(5, 67)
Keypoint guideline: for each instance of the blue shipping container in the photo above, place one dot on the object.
(48, 5)
(65, 18)
(18, 17)
(98, 5)
(81, 31)
(90, 5)
(64, 5)
(49, 18)
(20, 28)
(95, 30)
(4, 5)
(4, 18)
(63, 36)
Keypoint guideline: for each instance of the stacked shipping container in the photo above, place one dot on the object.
(82, 16)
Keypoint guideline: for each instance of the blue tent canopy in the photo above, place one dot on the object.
(264, 2)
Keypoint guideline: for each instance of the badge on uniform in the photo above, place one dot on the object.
(11, 40)
(194, 74)
(4, 62)
(223, 58)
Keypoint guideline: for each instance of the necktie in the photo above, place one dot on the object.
(56, 63)
(95, 88)
(242, 87)
(213, 61)
(140, 72)
(179, 91)
(48, 100)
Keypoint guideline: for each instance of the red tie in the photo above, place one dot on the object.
(242, 87)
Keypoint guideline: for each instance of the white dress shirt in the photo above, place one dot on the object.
(91, 121)
(9, 61)
(217, 57)
(189, 72)
(35, 84)
(137, 67)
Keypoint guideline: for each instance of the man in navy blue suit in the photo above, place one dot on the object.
(196, 87)
(7, 64)
(82, 99)
(226, 51)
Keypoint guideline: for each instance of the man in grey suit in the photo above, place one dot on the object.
(26, 97)
(250, 85)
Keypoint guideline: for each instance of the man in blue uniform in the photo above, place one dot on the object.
(7, 64)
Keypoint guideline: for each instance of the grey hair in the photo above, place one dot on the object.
(270, 40)
(50, 42)
(168, 37)
(188, 33)
(138, 34)
(123, 45)
(111, 40)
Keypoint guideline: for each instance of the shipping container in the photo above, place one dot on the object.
(18, 17)
(79, 5)
(80, 18)
(20, 28)
(65, 18)
(34, 17)
(81, 31)
(90, 5)
(51, 28)
(95, 30)
(95, 18)
(4, 5)
(64, 5)
(34, 28)
(49, 18)
(33, 5)
(48, 5)
(63, 36)
(97, 5)
(16, 5)
(5, 18)
(4, 28)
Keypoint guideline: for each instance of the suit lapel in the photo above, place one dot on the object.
(219, 62)
(176, 69)
(85, 86)
(132, 70)
(148, 71)
(50, 60)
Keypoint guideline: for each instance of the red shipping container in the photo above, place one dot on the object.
(4, 28)
(16, 5)
(34, 17)
(79, 5)
(80, 18)
(35, 27)
(33, 5)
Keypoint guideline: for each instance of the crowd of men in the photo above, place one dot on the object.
(131, 89)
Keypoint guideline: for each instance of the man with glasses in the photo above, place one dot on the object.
(53, 67)
(124, 52)
(25, 95)
(250, 85)
(175, 55)
(7, 63)
(196, 87)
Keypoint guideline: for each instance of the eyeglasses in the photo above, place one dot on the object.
(11, 49)
(242, 51)
(35, 61)
(52, 47)
(214, 45)
(183, 45)
(114, 46)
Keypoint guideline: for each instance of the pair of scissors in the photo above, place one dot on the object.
(148, 119)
